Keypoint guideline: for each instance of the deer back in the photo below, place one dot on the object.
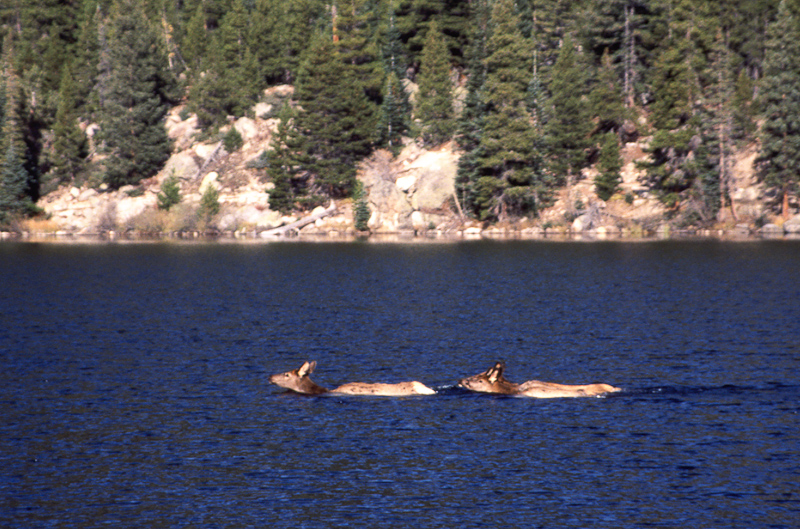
(401, 389)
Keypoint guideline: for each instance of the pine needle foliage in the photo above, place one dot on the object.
(336, 125)
(568, 128)
(170, 194)
(779, 158)
(435, 96)
(136, 93)
(609, 164)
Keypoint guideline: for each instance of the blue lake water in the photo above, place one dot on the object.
(134, 392)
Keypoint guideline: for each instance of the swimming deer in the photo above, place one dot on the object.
(493, 381)
(298, 381)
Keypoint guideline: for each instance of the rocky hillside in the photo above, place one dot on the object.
(410, 194)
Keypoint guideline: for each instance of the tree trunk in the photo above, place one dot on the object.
(785, 205)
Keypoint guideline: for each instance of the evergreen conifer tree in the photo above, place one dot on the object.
(511, 179)
(69, 141)
(567, 131)
(136, 96)
(414, 18)
(779, 158)
(605, 99)
(471, 119)
(361, 212)
(229, 82)
(356, 28)
(707, 186)
(621, 29)
(209, 203)
(15, 201)
(85, 63)
(281, 160)
(16, 132)
(394, 56)
(394, 113)
(13, 130)
(267, 30)
(743, 125)
(609, 165)
(336, 123)
(195, 40)
(170, 194)
(435, 97)
(670, 171)
(717, 128)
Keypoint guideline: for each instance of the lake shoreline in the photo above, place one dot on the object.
(406, 237)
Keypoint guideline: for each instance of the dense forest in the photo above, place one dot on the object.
(531, 91)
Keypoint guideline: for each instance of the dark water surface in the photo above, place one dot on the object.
(134, 392)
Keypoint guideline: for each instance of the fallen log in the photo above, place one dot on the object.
(283, 230)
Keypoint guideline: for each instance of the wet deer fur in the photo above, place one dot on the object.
(298, 380)
(493, 381)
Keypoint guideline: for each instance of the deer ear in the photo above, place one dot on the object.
(496, 372)
(306, 369)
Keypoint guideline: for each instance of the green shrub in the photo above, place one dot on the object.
(361, 212)
(233, 140)
(209, 202)
(170, 193)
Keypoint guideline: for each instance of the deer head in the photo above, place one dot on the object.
(490, 381)
(298, 380)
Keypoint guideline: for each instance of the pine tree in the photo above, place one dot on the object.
(670, 171)
(195, 40)
(779, 158)
(394, 56)
(85, 62)
(209, 203)
(435, 97)
(265, 39)
(356, 28)
(16, 132)
(548, 23)
(279, 35)
(361, 211)
(394, 113)
(228, 84)
(69, 142)
(568, 128)
(336, 123)
(609, 165)
(605, 99)
(137, 90)
(619, 28)
(707, 186)
(743, 126)
(281, 160)
(471, 119)
(510, 179)
(170, 194)
(452, 17)
(718, 128)
(15, 201)
(14, 111)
